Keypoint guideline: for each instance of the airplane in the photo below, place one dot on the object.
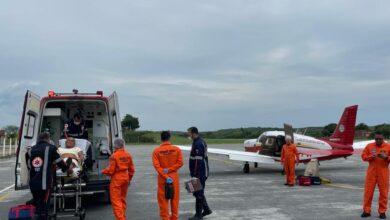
(266, 149)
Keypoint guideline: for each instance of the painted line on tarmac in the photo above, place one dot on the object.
(343, 186)
(7, 188)
(4, 197)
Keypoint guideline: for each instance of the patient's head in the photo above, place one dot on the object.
(70, 142)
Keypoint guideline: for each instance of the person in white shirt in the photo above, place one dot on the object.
(73, 155)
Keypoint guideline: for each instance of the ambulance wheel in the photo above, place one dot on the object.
(82, 214)
(256, 165)
(246, 167)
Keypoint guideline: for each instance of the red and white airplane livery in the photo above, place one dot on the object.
(266, 149)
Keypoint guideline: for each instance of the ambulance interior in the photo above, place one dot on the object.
(271, 145)
(95, 117)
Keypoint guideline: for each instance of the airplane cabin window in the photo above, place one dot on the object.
(269, 141)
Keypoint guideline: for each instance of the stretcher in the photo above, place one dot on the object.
(70, 187)
(67, 188)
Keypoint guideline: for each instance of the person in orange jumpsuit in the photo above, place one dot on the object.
(121, 170)
(167, 160)
(289, 153)
(377, 156)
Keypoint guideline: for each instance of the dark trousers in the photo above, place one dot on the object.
(201, 203)
(42, 202)
(200, 194)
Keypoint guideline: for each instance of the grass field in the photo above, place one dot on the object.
(176, 139)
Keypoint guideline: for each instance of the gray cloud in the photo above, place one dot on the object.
(212, 64)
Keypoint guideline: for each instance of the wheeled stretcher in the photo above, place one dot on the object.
(70, 187)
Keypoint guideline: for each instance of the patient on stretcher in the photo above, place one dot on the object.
(72, 155)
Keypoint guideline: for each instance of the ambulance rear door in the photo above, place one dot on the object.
(28, 133)
(115, 118)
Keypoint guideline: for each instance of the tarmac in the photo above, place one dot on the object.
(230, 193)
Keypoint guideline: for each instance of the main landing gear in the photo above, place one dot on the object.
(246, 167)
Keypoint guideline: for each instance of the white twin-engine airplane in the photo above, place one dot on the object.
(266, 149)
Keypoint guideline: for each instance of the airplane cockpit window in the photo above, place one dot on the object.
(262, 139)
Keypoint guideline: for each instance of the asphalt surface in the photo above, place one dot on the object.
(231, 193)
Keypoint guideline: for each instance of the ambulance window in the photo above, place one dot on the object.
(115, 121)
(30, 125)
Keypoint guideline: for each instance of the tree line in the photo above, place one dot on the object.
(130, 124)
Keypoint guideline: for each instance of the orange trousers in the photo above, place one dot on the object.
(118, 193)
(382, 180)
(289, 169)
(163, 203)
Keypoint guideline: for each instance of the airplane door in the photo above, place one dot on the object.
(28, 133)
(115, 118)
(288, 130)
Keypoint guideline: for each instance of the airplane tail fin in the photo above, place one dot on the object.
(345, 130)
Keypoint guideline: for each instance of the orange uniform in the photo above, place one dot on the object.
(289, 152)
(121, 170)
(168, 157)
(377, 173)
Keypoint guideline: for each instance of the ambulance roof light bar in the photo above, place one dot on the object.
(51, 93)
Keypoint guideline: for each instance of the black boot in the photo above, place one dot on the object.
(206, 208)
(199, 208)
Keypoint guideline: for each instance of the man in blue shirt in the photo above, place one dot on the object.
(42, 159)
(75, 128)
(199, 168)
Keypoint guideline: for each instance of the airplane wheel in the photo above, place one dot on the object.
(246, 167)
(256, 165)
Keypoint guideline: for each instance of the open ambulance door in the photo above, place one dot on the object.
(115, 118)
(28, 133)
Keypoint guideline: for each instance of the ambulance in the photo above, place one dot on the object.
(102, 121)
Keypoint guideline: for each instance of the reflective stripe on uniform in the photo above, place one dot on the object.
(206, 171)
(44, 173)
(75, 134)
(58, 160)
(196, 158)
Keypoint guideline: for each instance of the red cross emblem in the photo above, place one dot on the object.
(37, 162)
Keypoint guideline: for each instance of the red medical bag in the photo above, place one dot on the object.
(304, 180)
(21, 212)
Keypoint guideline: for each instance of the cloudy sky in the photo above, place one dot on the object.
(213, 64)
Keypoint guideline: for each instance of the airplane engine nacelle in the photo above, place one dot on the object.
(250, 143)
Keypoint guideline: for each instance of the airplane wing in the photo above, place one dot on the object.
(237, 155)
(361, 144)
(306, 154)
